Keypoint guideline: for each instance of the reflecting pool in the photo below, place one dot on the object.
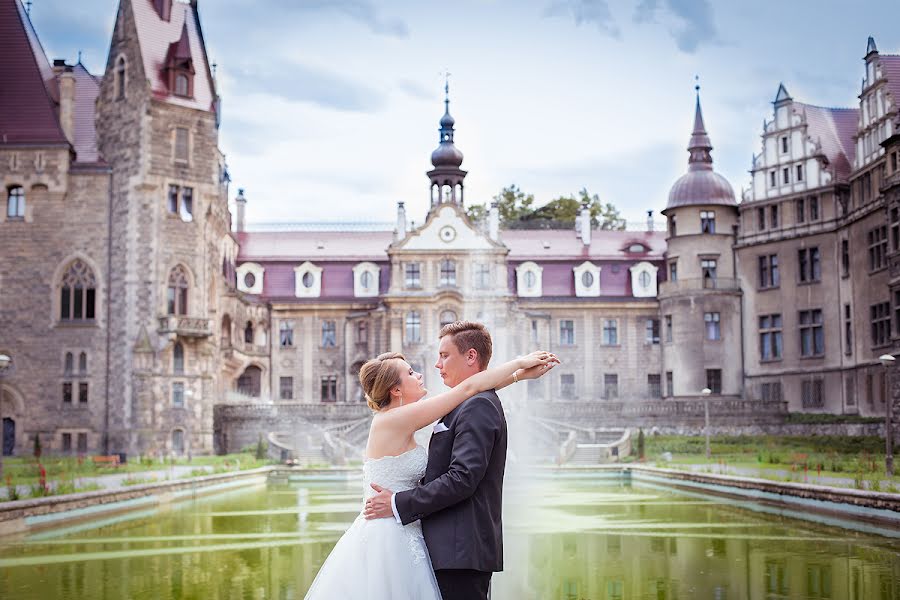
(588, 538)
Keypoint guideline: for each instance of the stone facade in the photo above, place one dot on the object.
(188, 315)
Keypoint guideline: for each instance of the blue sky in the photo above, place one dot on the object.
(331, 107)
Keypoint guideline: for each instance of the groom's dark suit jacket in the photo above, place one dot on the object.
(459, 501)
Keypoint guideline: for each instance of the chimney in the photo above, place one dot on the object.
(241, 208)
(494, 221)
(67, 102)
(401, 221)
(585, 219)
(650, 220)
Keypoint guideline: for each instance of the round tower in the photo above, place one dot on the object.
(700, 301)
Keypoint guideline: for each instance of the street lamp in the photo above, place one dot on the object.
(886, 361)
(706, 392)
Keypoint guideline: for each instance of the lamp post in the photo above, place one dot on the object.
(886, 361)
(5, 361)
(705, 392)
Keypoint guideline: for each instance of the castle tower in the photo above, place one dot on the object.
(157, 124)
(700, 302)
(446, 177)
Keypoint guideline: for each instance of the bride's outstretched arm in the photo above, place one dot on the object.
(412, 417)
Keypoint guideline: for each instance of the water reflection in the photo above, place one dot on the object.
(564, 539)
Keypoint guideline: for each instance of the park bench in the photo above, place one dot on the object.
(111, 461)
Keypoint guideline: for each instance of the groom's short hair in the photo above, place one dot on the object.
(469, 334)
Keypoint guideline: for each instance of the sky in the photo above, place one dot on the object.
(331, 107)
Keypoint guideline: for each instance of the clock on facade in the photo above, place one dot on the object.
(447, 233)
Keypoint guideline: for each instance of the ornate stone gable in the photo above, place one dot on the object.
(447, 229)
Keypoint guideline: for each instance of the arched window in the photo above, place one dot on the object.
(69, 364)
(178, 292)
(178, 441)
(447, 317)
(248, 333)
(82, 363)
(226, 332)
(120, 78)
(15, 202)
(178, 359)
(78, 293)
(181, 85)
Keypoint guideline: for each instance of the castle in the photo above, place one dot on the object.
(130, 308)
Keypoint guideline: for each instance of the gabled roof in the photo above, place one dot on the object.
(834, 129)
(156, 36)
(28, 112)
(890, 68)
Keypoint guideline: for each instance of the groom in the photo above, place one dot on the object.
(460, 498)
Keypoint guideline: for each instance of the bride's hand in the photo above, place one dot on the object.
(537, 370)
(538, 357)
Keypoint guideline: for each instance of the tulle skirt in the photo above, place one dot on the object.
(377, 560)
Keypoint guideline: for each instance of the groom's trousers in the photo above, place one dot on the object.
(463, 584)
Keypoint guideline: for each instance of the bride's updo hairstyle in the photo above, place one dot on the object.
(378, 376)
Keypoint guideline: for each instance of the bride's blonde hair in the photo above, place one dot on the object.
(378, 376)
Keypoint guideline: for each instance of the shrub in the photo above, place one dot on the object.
(37, 445)
(260, 448)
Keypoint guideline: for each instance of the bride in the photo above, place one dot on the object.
(380, 558)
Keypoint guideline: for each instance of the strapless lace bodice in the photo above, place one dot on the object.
(396, 473)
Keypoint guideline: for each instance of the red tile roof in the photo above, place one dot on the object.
(564, 244)
(28, 112)
(299, 246)
(87, 88)
(890, 68)
(156, 35)
(834, 129)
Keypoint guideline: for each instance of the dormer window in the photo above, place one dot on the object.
(637, 248)
(587, 279)
(529, 280)
(307, 281)
(365, 280)
(180, 66)
(250, 278)
(643, 280)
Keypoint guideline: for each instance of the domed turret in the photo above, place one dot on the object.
(700, 185)
(446, 177)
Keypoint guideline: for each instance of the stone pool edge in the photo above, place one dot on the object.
(875, 507)
(18, 516)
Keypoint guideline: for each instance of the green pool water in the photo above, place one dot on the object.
(587, 538)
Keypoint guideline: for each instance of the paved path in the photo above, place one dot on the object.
(114, 480)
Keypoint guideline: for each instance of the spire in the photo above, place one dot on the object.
(447, 122)
(782, 94)
(699, 145)
(870, 46)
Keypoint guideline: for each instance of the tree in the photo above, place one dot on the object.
(37, 445)
(512, 203)
(640, 444)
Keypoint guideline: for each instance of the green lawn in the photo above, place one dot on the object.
(783, 458)
(26, 470)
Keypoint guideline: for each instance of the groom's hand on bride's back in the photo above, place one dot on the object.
(379, 505)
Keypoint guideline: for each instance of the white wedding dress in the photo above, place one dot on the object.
(381, 559)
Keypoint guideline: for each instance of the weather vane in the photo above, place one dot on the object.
(697, 83)
(446, 75)
(28, 7)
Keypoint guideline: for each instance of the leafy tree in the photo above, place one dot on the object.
(640, 444)
(37, 445)
(512, 203)
(516, 210)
